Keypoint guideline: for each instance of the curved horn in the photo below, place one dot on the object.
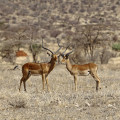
(62, 54)
(64, 51)
(69, 53)
(46, 48)
(60, 46)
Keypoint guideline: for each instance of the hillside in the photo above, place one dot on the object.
(49, 14)
(75, 22)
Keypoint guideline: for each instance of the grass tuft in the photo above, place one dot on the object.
(18, 103)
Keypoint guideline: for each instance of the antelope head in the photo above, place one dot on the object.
(65, 56)
(54, 55)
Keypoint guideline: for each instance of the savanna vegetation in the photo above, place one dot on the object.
(90, 28)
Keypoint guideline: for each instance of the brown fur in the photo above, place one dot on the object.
(82, 70)
(43, 69)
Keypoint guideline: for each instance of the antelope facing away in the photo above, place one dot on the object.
(42, 69)
(81, 70)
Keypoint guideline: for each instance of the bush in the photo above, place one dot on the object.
(17, 101)
(18, 104)
(35, 49)
(23, 12)
(116, 46)
(77, 57)
(106, 55)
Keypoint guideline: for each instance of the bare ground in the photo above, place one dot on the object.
(62, 103)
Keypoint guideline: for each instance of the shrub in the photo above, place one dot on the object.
(23, 12)
(17, 101)
(106, 55)
(77, 57)
(35, 49)
(18, 104)
(116, 46)
(54, 33)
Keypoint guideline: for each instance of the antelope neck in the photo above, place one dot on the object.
(52, 65)
(68, 65)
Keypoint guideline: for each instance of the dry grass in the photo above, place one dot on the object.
(62, 103)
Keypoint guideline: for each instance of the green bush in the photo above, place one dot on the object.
(35, 48)
(116, 46)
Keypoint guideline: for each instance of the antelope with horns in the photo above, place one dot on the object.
(80, 70)
(42, 69)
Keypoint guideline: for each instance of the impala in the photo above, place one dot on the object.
(42, 69)
(81, 70)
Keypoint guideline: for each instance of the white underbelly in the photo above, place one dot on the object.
(84, 73)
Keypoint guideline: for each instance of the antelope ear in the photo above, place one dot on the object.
(61, 55)
(67, 55)
(48, 53)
